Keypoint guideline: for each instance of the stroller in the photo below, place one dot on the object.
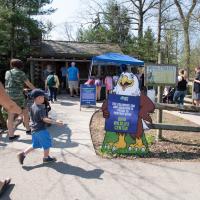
(168, 95)
(29, 101)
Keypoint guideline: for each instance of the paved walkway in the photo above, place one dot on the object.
(79, 174)
(193, 117)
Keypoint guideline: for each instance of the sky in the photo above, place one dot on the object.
(70, 11)
(73, 12)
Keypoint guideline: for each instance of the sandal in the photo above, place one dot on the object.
(5, 185)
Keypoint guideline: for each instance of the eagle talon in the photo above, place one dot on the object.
(138, 144)
(120, 144)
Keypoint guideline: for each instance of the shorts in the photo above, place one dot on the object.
(41, 139)
(17, 96)
(73, 84)
(20, 101)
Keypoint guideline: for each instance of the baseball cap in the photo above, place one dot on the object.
(36, 93)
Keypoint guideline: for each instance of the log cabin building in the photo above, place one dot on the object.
(60, 53)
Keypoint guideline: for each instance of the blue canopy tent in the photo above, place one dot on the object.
(114, 59)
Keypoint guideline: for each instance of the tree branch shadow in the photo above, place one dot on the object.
(174, 155)
(177, 142)
(64, 168)
(6, 194)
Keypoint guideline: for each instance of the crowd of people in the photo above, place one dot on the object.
(109, 82)
(70, 76)
(177, 94)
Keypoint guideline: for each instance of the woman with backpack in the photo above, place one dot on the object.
(52, 83)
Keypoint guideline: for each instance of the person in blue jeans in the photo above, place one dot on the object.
(181, 88)
(73, 79)
(40, 136)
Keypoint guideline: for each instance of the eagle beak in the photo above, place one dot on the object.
(125, 80)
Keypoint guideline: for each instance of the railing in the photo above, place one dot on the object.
(173, 107)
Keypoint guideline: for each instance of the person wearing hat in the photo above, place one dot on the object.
(40, 136)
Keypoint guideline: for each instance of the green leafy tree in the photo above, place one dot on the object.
(99, 34)
(148, 49)
(144, 49)
(18, 26)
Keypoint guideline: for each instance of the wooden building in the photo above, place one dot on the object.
(60, 53)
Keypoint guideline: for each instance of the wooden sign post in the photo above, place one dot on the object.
(159, 76)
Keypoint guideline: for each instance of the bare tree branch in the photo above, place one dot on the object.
(179, 9)
(151, 5)
(133, 2)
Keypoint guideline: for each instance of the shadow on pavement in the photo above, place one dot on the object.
(67, 103)
(6, 194)
(3, 144)
(64, 168)
(75, 99)
(175, 155)
(191, 113)
(61, 137)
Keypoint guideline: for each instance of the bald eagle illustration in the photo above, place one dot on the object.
(128, 84)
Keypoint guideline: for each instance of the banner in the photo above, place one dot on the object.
(88, 95)
(124, 112)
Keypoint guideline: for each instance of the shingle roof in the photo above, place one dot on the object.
(52, 48)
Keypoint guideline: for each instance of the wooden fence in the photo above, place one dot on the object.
(173, 107)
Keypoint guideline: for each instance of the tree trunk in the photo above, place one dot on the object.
(140, 25)
(159, 32)
(187, 48)
(186, 23)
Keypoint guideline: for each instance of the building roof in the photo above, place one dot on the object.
(59, 49)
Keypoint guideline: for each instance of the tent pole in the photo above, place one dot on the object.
(90, 70)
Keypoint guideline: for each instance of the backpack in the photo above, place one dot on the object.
(51, 81)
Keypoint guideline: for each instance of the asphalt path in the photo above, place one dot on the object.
(79, 174)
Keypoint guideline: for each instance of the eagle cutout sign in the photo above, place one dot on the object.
(126, 112)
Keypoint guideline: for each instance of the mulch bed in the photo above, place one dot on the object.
(175, 145)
